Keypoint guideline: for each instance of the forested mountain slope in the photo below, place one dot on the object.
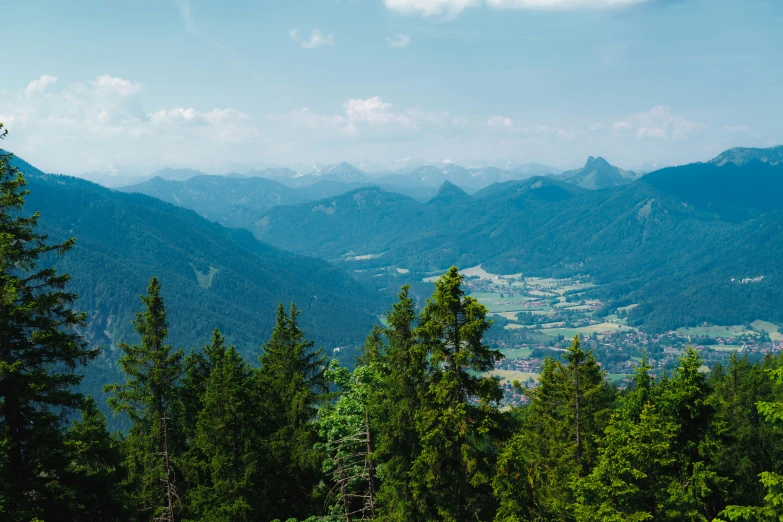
(671, 241)
(212, 276)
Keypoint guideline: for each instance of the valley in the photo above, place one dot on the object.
(536, 317)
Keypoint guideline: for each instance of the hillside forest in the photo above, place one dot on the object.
(411, 430)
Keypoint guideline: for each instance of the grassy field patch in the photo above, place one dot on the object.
(517, 353)
(511, 375)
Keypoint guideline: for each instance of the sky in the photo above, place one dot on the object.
(227, 86)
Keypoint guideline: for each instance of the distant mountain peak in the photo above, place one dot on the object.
(597, 174)
(741, 155)
(449, 192)
(597, 162)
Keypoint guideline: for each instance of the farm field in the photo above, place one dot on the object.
(715, 331)
(538, 317)
(517, 353)
(511, 375)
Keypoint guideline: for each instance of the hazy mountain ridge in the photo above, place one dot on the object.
(741, 155)
(597, 174)
(212, 276)
(662, 240)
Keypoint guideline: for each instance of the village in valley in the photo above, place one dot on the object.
(538, 317)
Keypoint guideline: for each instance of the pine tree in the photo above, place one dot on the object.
(558, 439)
(634, 471)
(394, 403)
(39, 353)
(452, 473)
(588, 399)
(291, 383)
(744, 444)
(772, 507)
(198, 368)
(226, 441)
(95, 471)
(150, 397)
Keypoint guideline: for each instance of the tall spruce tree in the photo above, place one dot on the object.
(771, 509)
(151, 398)
(557, 441)
(451, 475)
(227, 445)
(746, 444)
(394, 403)
(198, 368)
(39, 354)
(588, 400)
(95, 472)
(291, 383)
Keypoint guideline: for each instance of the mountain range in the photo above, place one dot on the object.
(674, 241)
(212, 276)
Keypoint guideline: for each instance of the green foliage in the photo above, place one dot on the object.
(95, 473)
(558, 440)
(402, 364)
(291, 383)
(451, 475)
(772, 507)
(39, 353)
(227, 445)
(345, 430)
(150, 398)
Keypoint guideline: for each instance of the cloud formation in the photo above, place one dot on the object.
(39, 86)
(316, 39)
(657, 123)
(452, 8)
(186, 13)
(102, 120)
(371, 118)
(400, 41)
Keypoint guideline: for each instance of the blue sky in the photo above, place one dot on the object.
(230, 85)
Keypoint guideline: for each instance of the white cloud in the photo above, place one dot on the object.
(374, 111)
(657, 123)
(736, 128)
(500, 121)
(371, 119)
(186, 13)
(400, 41)
(452, 8)
(104, 119)
(448, 8)
(562, 4)
(39, 86)
(316, 39)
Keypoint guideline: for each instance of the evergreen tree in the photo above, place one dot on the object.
(394, 404)
(772, 507)
(558, 440)
(291, 383)
(530, 483)
(634, 471)
(451, 475)
(39, 352)
(227, 444)
(95, 471)
(198, 368)
(150, 397)
(648, 470)
(745, 445)
(588, 398)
